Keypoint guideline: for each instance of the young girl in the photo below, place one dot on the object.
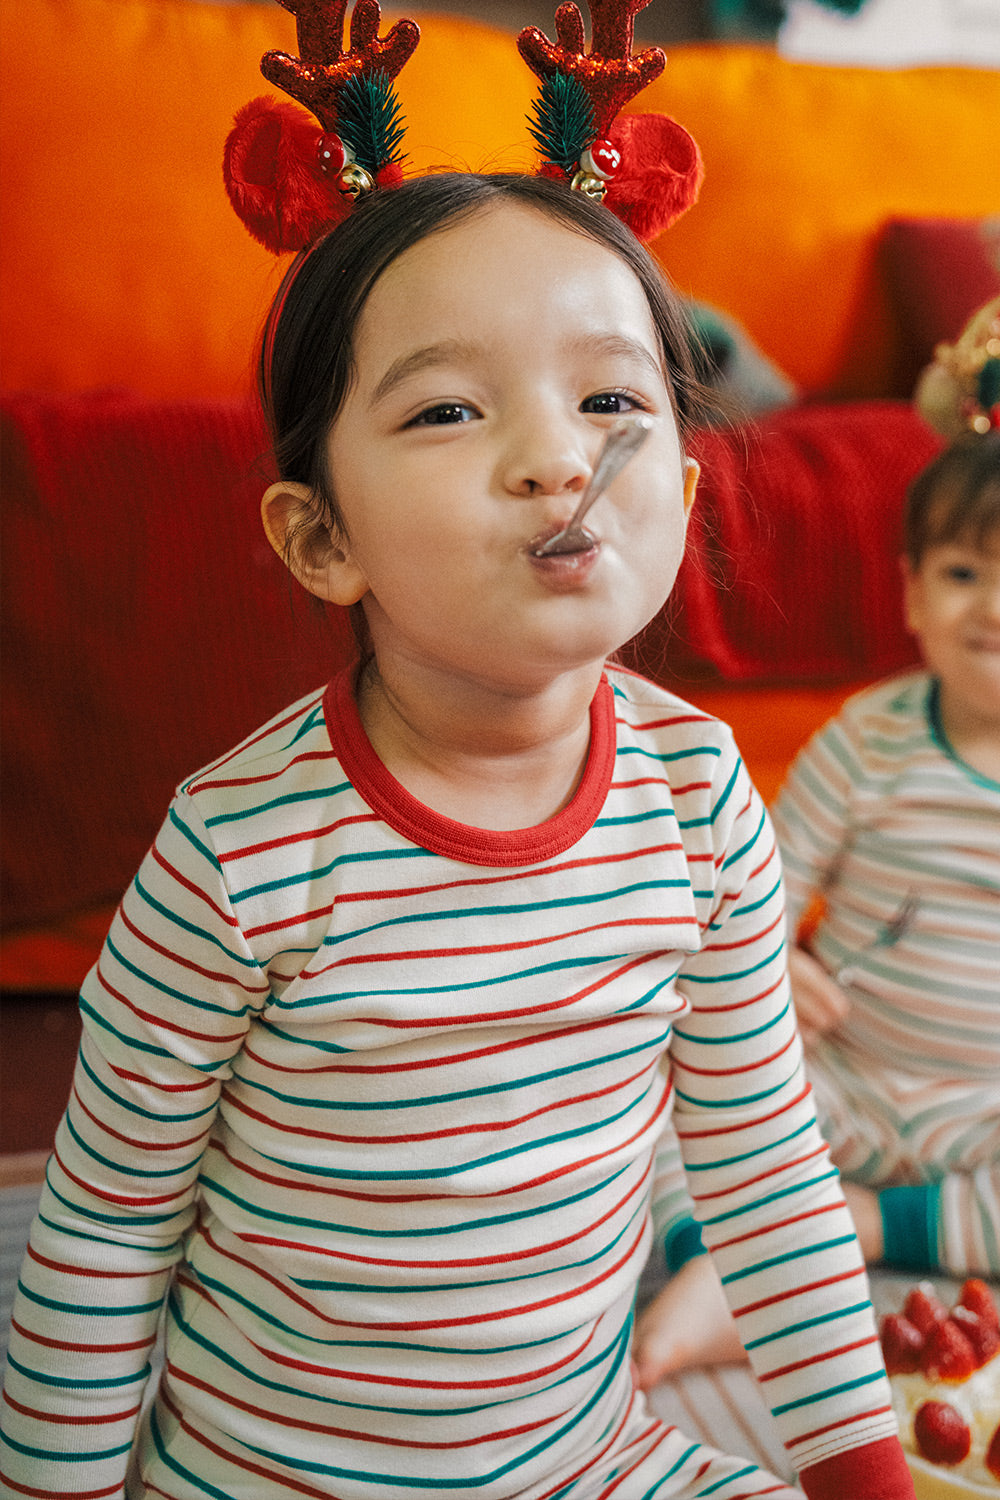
(892, 813)
(384, 1036)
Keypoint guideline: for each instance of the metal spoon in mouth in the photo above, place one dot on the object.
(623, 441)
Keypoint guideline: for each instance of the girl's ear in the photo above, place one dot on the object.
(320, 558)
(692, 473)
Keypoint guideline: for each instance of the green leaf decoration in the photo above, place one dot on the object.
(369, 120)
(563, 121)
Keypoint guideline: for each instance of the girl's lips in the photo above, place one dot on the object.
(546, 536)
(563, 570)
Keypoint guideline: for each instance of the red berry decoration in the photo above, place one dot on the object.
(331, 153)
(923, 1308)
(984, 1338)
(992, 1459)
(602, 159)
(947, 1353)
(977, 1297)
(942, 1434)
(901, 1345)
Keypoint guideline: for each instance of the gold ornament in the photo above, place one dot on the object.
(354, 181)
(590, 187)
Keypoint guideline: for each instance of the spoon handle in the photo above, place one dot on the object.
(624, 439)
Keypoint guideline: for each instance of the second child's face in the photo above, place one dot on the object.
(490, 360)
(953, 606)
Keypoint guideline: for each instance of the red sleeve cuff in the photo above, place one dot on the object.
(876, 1472)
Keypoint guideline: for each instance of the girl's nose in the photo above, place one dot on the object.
(550, 458)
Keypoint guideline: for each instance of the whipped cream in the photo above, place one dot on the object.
(978, 1401)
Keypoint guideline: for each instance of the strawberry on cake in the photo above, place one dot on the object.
(944, 1368)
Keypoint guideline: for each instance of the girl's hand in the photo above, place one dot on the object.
(687, 1325)
(820, 1003)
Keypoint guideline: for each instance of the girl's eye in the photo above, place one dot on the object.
(445, 413)
(611, 404)
(961, 573)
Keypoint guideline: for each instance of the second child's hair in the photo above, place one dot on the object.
(956, 498)
(307, 353)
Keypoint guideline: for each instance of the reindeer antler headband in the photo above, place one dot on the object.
(290, 180)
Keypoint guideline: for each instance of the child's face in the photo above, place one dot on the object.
(953, 606)
(491, 359)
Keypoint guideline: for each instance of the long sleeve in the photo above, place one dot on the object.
(165, 1010)
(764, 1189)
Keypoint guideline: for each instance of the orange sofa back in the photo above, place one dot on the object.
(123, 264)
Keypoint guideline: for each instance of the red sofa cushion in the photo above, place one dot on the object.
(147, 623)
(938, 271)
(792, 565)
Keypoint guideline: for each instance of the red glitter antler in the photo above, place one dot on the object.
(609, 75)
(317, 77)
(290, 180)
(644, 168)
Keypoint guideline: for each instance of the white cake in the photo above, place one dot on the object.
(957, 1358)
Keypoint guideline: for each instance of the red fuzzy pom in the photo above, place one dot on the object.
(660, 175)
(389, 176)
(273, 177)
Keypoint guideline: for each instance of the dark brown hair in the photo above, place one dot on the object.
(306, 360)
(956, 498)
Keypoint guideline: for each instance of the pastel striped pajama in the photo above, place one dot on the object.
(877, 813)
(373, 1099)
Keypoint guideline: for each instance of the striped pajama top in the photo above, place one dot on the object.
(373, 1099)
(878, 812)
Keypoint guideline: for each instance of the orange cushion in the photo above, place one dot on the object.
(123, 263)
(804, 164)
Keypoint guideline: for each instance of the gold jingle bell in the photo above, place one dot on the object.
(590, 187)
(355, 180)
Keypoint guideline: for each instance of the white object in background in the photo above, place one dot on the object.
(894, 33)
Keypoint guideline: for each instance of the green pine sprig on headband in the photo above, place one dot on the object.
(562, 121)
(370, 121)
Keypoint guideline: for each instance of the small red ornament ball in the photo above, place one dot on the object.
(601, 159)
(942, 1433)
(331, 153)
